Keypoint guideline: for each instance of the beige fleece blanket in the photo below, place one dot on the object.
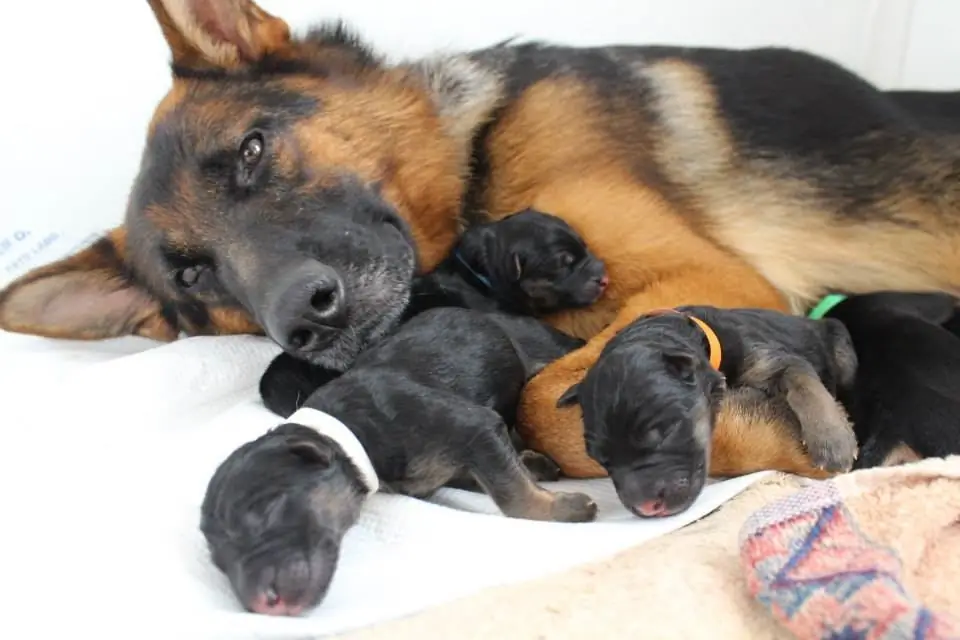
(694, 583)
(687, 584)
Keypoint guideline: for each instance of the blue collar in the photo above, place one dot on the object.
(478, 277)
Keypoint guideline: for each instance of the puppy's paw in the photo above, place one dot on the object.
(573, 507)
(832, 445)
(540, 466)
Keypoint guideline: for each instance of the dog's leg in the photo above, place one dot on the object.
(824, 425)
(500, 471)
(559, 432)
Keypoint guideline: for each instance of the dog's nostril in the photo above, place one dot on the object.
(301, 339)
(324, 299)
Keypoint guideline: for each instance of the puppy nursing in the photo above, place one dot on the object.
(529, 263)
(650, 402)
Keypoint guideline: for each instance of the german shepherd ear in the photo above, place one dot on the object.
(218, 34)
(87, 296)
(570, 397)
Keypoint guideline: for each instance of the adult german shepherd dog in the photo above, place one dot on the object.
(294, 185)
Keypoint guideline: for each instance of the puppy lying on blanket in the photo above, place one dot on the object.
(649, 403)
(905, 404)
(426, 406)
(529, 263)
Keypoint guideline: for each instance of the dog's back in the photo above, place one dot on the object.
(905, 403)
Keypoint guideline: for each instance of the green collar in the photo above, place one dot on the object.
(824, 306)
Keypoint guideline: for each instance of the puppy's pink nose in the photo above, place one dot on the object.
(604, 281)
(270, 604)
(652, 508)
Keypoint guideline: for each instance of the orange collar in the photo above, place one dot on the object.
(713, 342)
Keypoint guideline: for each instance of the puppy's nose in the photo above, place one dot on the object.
(270, 604)
(652, 508)
(604, 281)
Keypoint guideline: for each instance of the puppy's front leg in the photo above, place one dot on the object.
(824, 425)
(500, 471)
(825, 430)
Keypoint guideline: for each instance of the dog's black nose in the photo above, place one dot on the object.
(306, 307)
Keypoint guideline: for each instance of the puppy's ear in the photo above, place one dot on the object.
(311, 453)
(517, 267)
(570, 397)
(681, 365)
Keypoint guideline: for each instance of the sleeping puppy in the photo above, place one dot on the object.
(650, 401)
(529, 263)
(905, 403)
(425, 407)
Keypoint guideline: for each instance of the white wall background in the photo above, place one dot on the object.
(81, 78)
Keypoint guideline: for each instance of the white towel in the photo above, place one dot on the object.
(108, 447)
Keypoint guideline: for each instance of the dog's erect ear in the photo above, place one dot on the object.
(570, 397)
(87, 296)
(219, 34)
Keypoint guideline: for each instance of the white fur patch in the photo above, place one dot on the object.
(464, 91)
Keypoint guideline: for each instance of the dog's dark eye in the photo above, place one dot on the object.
(251, 150)
(566, 259)
(188, 277)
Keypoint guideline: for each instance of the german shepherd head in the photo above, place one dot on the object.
(290, 186)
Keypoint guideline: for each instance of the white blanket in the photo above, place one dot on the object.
(107, 451)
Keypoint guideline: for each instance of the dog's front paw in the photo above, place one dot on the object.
(831, 444)
(540, 466)
(573, 507)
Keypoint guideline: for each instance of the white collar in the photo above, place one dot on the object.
(327, 425)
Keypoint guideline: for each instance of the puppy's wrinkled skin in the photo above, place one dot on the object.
(651, 401)
(274, 515)
(431, 405)
(529, 263)
(905, 402)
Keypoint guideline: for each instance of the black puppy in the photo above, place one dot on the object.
(905, 404)
(428, 405)
(529, 263)
(650, 401)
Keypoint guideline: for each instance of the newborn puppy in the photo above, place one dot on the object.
(650, 401)
(905, 402)
(529, 263)
(427, 406)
